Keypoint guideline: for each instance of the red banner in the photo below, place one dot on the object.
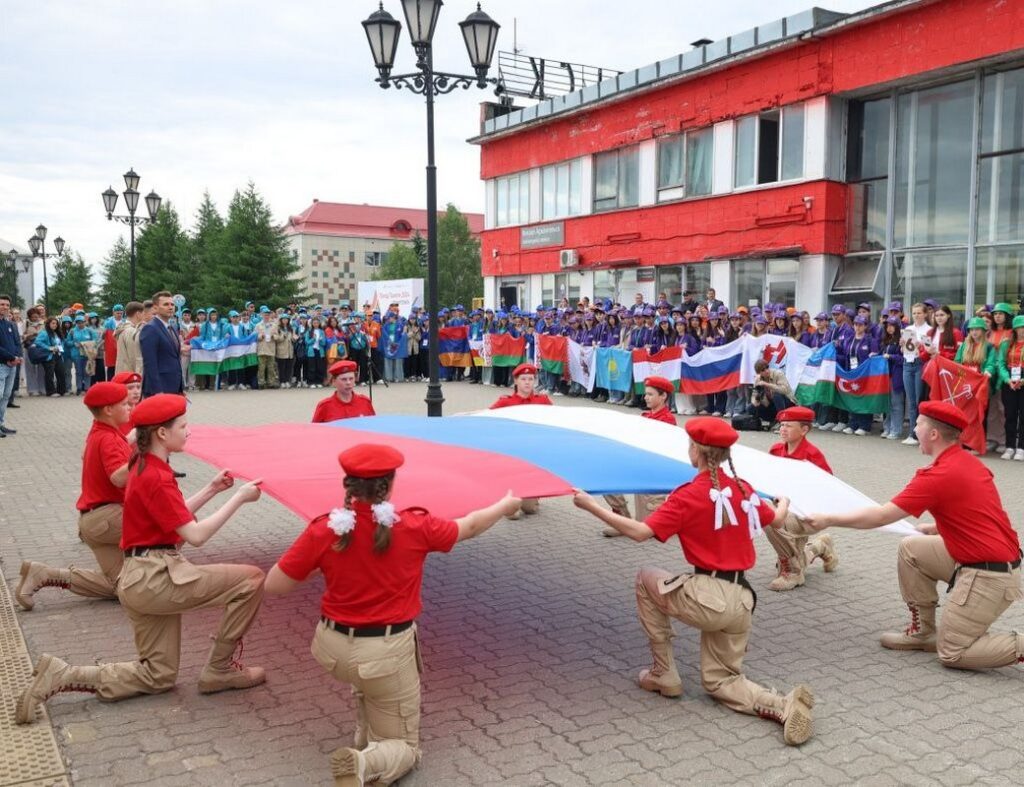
(965, 388)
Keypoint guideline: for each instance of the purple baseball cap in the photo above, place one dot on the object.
(838, 309)
(931, 304)
(821, 316)
(860, 319)
(864, 305)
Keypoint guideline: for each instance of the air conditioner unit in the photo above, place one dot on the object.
(568, 258)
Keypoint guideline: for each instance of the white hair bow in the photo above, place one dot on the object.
(753, 514)
(720, 497)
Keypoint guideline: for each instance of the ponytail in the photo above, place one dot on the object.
(373, 491)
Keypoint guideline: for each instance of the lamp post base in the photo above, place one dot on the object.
(434, 400)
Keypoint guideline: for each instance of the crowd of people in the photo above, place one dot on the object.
(67, 352)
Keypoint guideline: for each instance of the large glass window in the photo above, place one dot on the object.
(940, 275)
(781, 281)
(867, 170)
(547, 289)
(769, 147)
(748, 280)
(746, 151)
(670, 281)
(617, 179)
(512, 198)
(933, 165)
(1000, 275)
(561, 186)
(684, 164)
(700, 156)
(604, 285)
(670, 162)
(1001, 169)
(793, 142)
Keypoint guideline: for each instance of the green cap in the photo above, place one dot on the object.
(977, 322)
(1018, 322)
(1003, 307)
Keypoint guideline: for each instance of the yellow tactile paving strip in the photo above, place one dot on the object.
(29, 756)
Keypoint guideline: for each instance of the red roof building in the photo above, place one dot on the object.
(340, 244)
(816, 159)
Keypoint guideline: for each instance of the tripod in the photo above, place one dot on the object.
(371, 364)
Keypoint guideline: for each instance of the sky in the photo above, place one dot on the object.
(198, 95)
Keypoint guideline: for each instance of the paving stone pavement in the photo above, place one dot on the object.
(530, 642)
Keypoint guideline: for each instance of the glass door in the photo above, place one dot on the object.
(780, 282)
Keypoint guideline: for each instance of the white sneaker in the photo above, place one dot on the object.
(860, 432)
(827, 426)
(716, 414)
(1008, 454)
(847, 430)
(892, 436)
(840, 427)
(1018, 455)
(558, 393)
(910, 441)
(232, 387)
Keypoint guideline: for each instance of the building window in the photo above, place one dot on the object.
(697, 278)
(562, 186)
(1000, 275)
(547, 289)
(769, 147)
(748, 280)
(669, 280)
(604, 285)
(617, 179)
(700, 155)
(684, 164)
(512, 195)
(939, 275)
(670, 163)
(351, 256)
(1001, 168)
(867, 169)
(375, 259)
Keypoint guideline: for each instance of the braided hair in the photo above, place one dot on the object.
(372, 491)
(143, 444)
(715, 458)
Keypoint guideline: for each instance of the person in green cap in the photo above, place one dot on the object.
(977, 354)
(999, 332)
(1009, 378)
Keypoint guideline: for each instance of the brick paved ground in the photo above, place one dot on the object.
(531, 648)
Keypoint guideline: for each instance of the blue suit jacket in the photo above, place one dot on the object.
(161, 364)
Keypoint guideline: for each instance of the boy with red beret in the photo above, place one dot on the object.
(524, 378)
(715, 517)
(100, 504)
(344, 402)
(971, 545)
(791, 540)
(133, 382)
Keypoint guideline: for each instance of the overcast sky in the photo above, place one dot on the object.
(209, 95)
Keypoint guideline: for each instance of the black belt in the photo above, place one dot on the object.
(96, 507)
(366, 631)
(736, 577)
(143, 551)
(1003, 568)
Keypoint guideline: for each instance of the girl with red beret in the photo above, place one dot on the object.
(715, 516)
(157, 583)
(371, 557)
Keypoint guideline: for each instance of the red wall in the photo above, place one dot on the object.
(922, 39)
(753, 223)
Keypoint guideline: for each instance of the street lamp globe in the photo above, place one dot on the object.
(34, 243)
(41, 232)
(382, 31)
(58, 244)
(109, 201)
(421, 17)
(153, 204)
(131, 200)
(26, 263)
(12, 255)
(131, 180)
(480, 33)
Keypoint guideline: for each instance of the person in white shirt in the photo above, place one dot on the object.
(914, 338)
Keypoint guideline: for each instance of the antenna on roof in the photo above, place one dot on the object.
(515, 36)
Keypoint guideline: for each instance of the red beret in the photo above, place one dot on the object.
(801, 414)
(711, 431)
(945, 413)
(127, 378)
(661, 384)
(342, 367)
(524, 368)
(158, 410)
(104, 394)
(370, 460)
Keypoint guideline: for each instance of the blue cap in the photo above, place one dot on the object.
(118, 307)
(501, 315)
(92, 314)
(248, 304)
(66, 319)
(79, 316)
(232, 313)
(264, 310)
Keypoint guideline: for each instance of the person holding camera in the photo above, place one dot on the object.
(770, 393)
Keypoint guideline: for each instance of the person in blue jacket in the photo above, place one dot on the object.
(80, 334)
(51, 339)
(316, 354)
(856, 350)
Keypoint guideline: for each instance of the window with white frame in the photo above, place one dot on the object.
(769, 147)
(685, 164)
(562, 190)
(671, 166)
(617, 179)
(512, 199)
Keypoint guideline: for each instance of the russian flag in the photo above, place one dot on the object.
(712, 370)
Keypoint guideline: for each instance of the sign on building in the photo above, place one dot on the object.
(380, 294)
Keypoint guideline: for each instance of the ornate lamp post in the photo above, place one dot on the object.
(37, 244)
(26, 263)
(131, 201)
(480, 33)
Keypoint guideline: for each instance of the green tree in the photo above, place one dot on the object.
(253, 261)
(9, 281)
(72, 282)
(114, 287)
(402, 263)
(163, 256)
(458, 253)
(207, 238)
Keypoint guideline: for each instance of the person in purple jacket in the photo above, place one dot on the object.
(664, 335)
(855, 351)
(816, 339)
(892, 428)
(780, 323)
(874, 328)
(798, 329)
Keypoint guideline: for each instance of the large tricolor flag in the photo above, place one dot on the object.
(713, 369)
(504, 349)
(967, 389)
(553, 354)
(223, 355)
(666, 363)
(864, 390)
(453, 346)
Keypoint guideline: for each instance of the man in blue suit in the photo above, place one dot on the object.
(161, 350)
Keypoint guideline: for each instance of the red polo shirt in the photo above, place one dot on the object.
(960, 493)
(689, 512)
(154, 507)
(664, 415)
(512, 400)
(333, 409)
(105, 452)
(805, 452)
(364, 587)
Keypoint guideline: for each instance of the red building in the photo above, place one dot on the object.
(819, 158)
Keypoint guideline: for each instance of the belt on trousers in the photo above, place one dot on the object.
(736, 577)
(366, 631)
(143, 551)
(98, 506)
(1003, 568)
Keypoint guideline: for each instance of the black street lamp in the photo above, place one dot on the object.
(480, 33)
(37, 244)
(26, 263)
(131, 201)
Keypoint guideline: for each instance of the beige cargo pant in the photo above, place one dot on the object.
(154, 591)
(790, 541)
(100, 530)
(384, 673)
(643, 505)
(977, 600)
(721, 611)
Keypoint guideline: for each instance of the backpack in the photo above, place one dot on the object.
(746, 422)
